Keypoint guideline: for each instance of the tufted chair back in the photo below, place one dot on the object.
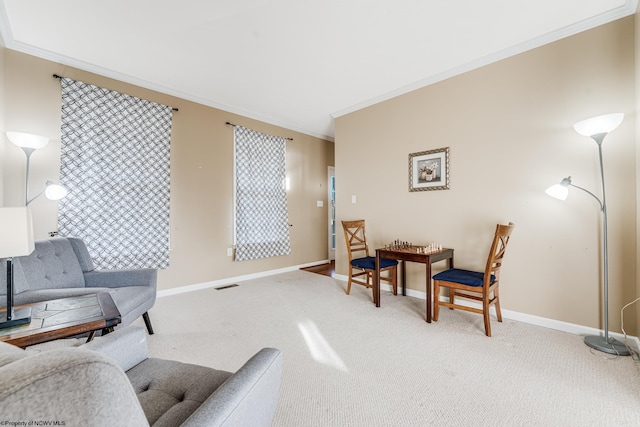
(52, 265)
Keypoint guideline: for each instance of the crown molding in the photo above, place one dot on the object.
(6, 39)
(71, 62)
(629, 8)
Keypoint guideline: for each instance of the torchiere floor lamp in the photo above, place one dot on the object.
(597, 128)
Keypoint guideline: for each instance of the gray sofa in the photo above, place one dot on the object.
(62, 267)
(87, 386)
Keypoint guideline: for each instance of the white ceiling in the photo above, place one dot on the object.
(293, 63)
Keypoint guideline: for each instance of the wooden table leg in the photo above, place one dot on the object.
(92, 334)
(429, 296)
(376, 281)
(403, 271)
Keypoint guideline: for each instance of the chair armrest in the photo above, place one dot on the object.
(120, 278)
(126, 346)
(70, 386)
(248, 398)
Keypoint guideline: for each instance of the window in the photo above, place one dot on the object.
(261, 217)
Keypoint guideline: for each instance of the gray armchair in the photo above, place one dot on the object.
(88, 386)
(62, 267)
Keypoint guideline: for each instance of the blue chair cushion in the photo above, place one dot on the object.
(369, 263)
(465, 277)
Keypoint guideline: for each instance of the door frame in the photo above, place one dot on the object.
(331, 212)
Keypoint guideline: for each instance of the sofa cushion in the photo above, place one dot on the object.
(29, 297)
(132, 301)
(170, 391)
(52, 265)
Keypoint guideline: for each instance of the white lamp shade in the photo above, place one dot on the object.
(558, 191)
(55, 191)
(17, 232)
(599, 124)
(27, 140)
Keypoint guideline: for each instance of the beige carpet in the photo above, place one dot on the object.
(348, 363)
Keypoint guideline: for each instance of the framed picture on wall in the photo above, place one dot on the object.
(429, 170)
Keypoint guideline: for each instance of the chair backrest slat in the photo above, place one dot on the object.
(497, 252)
(356, 238)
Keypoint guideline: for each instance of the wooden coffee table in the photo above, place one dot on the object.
(62, 318)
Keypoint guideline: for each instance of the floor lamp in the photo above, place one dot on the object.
(17, 240)
(597, 128)
(30, 143)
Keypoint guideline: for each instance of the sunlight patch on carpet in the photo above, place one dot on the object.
(320, 349)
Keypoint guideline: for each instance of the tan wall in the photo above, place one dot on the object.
(509, 129)
(201, 173)
(637, 120)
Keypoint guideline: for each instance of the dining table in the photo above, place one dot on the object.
(412, 253)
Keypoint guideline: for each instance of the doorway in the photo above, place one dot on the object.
(331, 185)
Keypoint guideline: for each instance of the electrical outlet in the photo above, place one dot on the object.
(319, 203)
(229, 251)
(353, 199)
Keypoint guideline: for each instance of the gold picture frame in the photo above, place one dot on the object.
(429, 170)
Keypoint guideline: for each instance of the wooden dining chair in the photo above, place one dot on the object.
(475, 285)
(360, 263)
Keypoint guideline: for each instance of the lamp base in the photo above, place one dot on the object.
(20, 317)
(611, 347)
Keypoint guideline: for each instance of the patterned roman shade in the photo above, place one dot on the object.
(115, 164)
(261, 221)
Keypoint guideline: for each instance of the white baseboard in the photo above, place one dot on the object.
(230, 280)
(520, 317)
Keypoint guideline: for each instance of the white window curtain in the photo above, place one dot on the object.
(115, 164)
(261, 216)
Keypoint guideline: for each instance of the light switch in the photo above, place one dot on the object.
(353, 199)
(319, 203)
